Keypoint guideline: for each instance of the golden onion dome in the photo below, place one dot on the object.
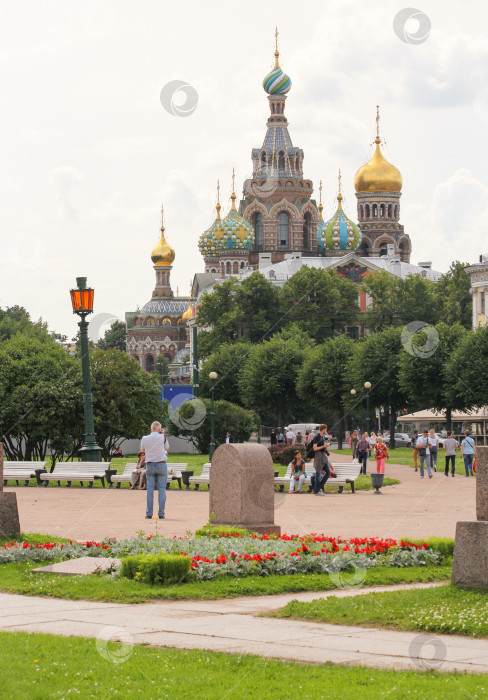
(162, 254)
(378, 175)
(188, 315)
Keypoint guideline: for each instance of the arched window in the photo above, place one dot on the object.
(382, 211)
(390, 209)
(306, 231)
(213, 270)
(228, 268)
(168, 357)
(375, 210)
(366, 208)
(235, 267)
(263, 160)
(283, 230)
(361, 212)
(242, 265)
(281, 162)
(149, 363)
(258, 230)
(396, 210)
(383, 249)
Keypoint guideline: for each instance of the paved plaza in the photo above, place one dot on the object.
(414, 508)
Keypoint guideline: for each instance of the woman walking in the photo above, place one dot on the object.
(353, 441)
(434, 448)
(381, 455)
(362, 451)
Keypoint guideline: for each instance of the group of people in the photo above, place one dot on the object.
(364, 446)
(426, 448)
(317, 448)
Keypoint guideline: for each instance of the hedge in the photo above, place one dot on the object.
(157, 569)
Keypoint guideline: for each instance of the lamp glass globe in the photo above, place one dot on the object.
(367, 385)
(213, 375)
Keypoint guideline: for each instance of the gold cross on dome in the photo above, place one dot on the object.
(233, 181)
(377, 121)
(340, 181)
(276, 38)
(320, 191)
(218, 191)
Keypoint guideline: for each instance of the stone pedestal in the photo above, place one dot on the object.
(9, 513)
(470, 562)
(242, 488)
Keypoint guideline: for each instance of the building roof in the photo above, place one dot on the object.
(429, 414)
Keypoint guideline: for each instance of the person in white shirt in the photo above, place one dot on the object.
(154, 446)
(290, 437)
(424, 453)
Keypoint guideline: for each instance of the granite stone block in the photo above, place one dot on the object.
(242, 487)
(9, 514)
(482, 483)
(470, 562)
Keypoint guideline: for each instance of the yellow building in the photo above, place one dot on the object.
(478, 274)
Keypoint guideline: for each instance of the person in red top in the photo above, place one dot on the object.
(381, 454)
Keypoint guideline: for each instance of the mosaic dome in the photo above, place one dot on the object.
(339, 233)
(235, 231)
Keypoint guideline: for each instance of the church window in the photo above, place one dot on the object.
(283, 230)
(281, 162)
(235, 267)
(168, 357)
(366, 208)
(361, 212)
(375, 210)
(242, 265)
(228, 268)
(258, 230)
(396, 211)
(149, 363)
(382, 211)
(306, 232)
(390, 208)
(383, 249)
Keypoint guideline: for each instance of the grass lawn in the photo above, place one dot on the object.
(43, 666)
(447, 610)
(17, 578)
(404, 455)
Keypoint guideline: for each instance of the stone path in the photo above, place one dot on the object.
(234, 626)
(414, 508)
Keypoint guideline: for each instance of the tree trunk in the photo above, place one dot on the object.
(393, 417)
(449, 419)
(341, 429)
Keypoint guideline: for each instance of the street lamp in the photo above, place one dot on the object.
(213, 376)
(353, 394)
(82, 302)
(367, 386)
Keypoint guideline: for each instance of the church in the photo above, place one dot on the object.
(277, 227)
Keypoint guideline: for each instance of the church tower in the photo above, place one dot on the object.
(378, 186)
(276, 199)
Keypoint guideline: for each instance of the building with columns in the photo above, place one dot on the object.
(478, 275)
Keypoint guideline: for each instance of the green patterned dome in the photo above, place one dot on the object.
(339, 233)
(235, 232)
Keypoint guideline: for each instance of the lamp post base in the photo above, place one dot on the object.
(91, 453)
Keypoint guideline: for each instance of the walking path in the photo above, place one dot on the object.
(413, 508)
(234, 626)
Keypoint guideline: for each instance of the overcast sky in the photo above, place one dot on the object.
(89, 153)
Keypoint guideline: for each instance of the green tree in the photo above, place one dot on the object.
(115, 337)
(320, 301)
(453, 298)
(267, 380)
(161, 367)
(323, 379)
(15, 320)
(192, 420)
(258, 300)
(425, 373)
(227, 361)
(40, 385)
(468, 366)
(125, 398)
(377, 359)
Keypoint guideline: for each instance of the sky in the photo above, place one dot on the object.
(89, 153)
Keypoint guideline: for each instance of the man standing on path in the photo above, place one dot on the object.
(424, 453)
(468, 452)
(450, 446)
(156, 469)
(320, 461)
(415, 437)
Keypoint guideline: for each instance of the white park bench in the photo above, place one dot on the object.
(174, 473)
(22, 471)
(347, 473)
(203, 478)
(77, 471)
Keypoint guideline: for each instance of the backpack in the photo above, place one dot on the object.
(309, 453)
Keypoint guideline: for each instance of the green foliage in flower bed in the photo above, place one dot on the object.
(45, 666)
(156, 569)
(443, 545)
(444, 610)
(214, 531)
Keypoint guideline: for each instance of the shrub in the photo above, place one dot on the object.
(157, 569)
(443, 545)
(220, 531)
(284, 454)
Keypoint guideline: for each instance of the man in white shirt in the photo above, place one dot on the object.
(290, 437)
(154, 446)
(424, 453)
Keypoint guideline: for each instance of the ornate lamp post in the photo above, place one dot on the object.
(213, 376)
(82, 301)
(367, 386)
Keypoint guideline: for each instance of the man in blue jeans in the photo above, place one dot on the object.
(468, 452)
(156, 470)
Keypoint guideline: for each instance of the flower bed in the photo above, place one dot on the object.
(237, 555)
